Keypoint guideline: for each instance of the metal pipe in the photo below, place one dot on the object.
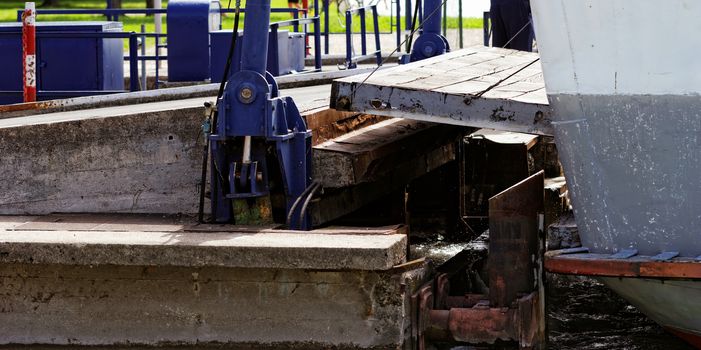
(246, 158)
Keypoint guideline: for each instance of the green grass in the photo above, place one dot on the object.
(8, 13)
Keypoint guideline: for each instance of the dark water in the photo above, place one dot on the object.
(584, 314)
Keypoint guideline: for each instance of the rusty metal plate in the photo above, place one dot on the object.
(514, 240)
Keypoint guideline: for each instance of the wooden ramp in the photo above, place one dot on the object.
(478, 86)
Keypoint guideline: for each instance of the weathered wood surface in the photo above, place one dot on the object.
(372, 162)
(370, 153)
(478, 86)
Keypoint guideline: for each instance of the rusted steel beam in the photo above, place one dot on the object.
(637, 266)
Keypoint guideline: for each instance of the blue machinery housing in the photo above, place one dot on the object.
(94, 51)
(253, 123)
(430, 43)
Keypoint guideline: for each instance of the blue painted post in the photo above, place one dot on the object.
(133, 62)
(349, 42)
(326, 27)
(158, 58)
(317, 44)
(377, 34)
(399, 25)
(108, 6)
(295, 15)
(255, 54)
(363, 32)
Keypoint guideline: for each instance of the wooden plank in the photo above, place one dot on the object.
(334, 204)
(372, 152)
(327, 123)
(478, 87)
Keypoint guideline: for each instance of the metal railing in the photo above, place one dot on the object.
(351, 59)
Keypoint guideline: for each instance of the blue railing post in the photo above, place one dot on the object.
(317, 43)
(349, 40)
(158, 56)
(351, 59)
(295, 15)
(363, 32)
(326, 27)
(399, 25)
(108, 6)
(133, 62)
(378, 50)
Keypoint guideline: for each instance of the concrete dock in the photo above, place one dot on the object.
(158, 280)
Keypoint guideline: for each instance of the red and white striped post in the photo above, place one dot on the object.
(29, 53)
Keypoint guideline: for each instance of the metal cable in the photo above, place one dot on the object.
(303, 210)
(297, 201)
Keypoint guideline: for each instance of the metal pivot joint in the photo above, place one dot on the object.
(431, 42)
(253, 123)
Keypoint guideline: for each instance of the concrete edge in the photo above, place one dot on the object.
(204, 250)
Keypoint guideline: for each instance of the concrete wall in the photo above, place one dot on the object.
(108, 305)
(139, 163)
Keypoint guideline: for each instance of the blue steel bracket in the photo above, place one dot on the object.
(250, 107)
(430, 42)
(428, 45)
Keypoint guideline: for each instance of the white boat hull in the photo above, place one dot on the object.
(624, 80)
